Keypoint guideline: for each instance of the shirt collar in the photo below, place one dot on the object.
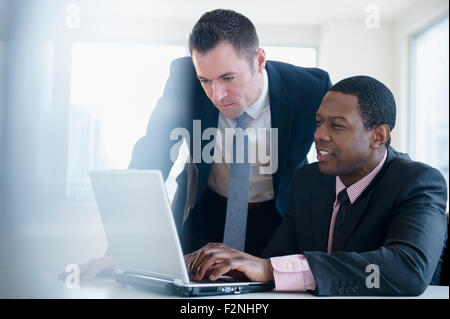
(262, 102)
(357, 188)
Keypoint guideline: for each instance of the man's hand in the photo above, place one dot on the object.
(94, 267)
(216, 259)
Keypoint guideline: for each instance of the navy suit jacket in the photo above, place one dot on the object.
(398, 223)
(295, 95)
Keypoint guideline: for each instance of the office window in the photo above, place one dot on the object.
(114, 88)
(430, 97)
(304, 57)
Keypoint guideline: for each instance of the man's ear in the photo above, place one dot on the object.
(380, 135)
(260, 60)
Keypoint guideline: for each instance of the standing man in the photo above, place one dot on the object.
(226, 80)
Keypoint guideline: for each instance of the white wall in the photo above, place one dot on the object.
(289, 35)
(349, 48)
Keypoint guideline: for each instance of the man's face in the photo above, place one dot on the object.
(227, 78)
(343, 144)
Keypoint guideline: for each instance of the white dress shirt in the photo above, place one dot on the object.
(261, 186)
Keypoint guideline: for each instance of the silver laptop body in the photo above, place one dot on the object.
(142, 236)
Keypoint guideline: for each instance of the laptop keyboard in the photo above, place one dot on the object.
(221, 280)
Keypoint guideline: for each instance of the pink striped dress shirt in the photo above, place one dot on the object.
(293, 272)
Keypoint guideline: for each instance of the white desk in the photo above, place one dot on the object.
(40, 284)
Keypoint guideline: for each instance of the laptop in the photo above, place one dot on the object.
(142, 236)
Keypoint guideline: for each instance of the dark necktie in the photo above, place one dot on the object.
(344, 205)
(238, 191)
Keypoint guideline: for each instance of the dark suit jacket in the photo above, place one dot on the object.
(398, 223)
(295, 95)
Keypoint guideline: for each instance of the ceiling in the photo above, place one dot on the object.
(284, 12)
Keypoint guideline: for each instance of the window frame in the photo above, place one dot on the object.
(413, 40)
(413, 73)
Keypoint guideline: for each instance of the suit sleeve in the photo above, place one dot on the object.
(408, 258)
(153, 150)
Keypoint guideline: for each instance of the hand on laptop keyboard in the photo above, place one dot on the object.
(216, 259)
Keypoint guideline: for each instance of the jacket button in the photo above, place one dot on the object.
(348, 290)
(341, 290)
(355, 289)
(334, 290)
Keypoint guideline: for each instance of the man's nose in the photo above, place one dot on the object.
(218, 91)
(321, 134)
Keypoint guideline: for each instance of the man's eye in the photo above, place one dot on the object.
(229, 78)
(204, 81)
(337, 125)
(318, 122)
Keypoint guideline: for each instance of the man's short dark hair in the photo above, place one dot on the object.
(219, 25)
(376, 101)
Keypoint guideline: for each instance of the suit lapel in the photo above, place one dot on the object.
(281, 119)
(359, 207)
(323, 210)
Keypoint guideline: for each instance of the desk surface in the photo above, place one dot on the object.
(40, 284)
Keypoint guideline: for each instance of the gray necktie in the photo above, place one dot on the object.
(238, 190)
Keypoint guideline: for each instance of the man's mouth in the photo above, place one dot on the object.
(323, 155)
(226, 105)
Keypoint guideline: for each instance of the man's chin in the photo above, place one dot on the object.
(230, 113)
(326, 169)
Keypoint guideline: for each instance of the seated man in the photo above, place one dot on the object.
(363, 220)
